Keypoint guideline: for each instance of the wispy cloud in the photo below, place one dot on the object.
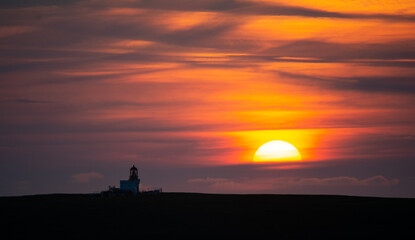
(382, 84)
(86, 177)
(346, 181)
(252, 8)
(22, 100)
(284, 183)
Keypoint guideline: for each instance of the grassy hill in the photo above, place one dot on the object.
(208, 216)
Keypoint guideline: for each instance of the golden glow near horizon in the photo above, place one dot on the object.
(277, 151)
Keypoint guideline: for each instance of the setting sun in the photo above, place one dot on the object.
(277, 151)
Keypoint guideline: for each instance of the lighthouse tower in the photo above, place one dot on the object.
(133, 183)
(133, 173)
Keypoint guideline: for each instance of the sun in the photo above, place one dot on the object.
(277, 151)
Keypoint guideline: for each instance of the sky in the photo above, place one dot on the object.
(187, 91)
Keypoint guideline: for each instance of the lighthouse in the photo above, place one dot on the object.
(133, 183)
(130, 187)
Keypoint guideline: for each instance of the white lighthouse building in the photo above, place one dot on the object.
(132, 184)
(130, 187)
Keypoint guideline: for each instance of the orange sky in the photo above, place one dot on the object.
(192, 84)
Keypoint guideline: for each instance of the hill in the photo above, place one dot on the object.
(207, 216)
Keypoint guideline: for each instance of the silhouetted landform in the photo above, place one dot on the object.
(201, 216)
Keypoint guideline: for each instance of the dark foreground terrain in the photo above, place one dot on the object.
(176, 215)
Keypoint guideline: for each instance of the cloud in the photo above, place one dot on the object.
(382, 84)
(332, 51)
(86, 177)
(33, 3)
(91, 35)
(228, 185)
(208, 180)
(22, 100)
(379, 180)
(247, 8)
(346, 181)
(292, 183)
(229, 6)
(237, 7)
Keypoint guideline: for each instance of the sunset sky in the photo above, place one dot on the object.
(188, 90)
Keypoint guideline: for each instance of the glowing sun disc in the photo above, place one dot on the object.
(277, 151)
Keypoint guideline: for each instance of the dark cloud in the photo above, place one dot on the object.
(22, 100)
(231, 6)
(86, 177)
(374, 84)
(137, 125)
(394, 84)
(237, 7)
(189, 5)
(35, 3)
(331, 51)
(281, 183)
(81, 30)
(392, 145)
(31, 117)
(254, 8)
(375, 177)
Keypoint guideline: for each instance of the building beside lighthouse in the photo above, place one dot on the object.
(130, 187)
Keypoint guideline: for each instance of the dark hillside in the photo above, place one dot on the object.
(208, 215)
